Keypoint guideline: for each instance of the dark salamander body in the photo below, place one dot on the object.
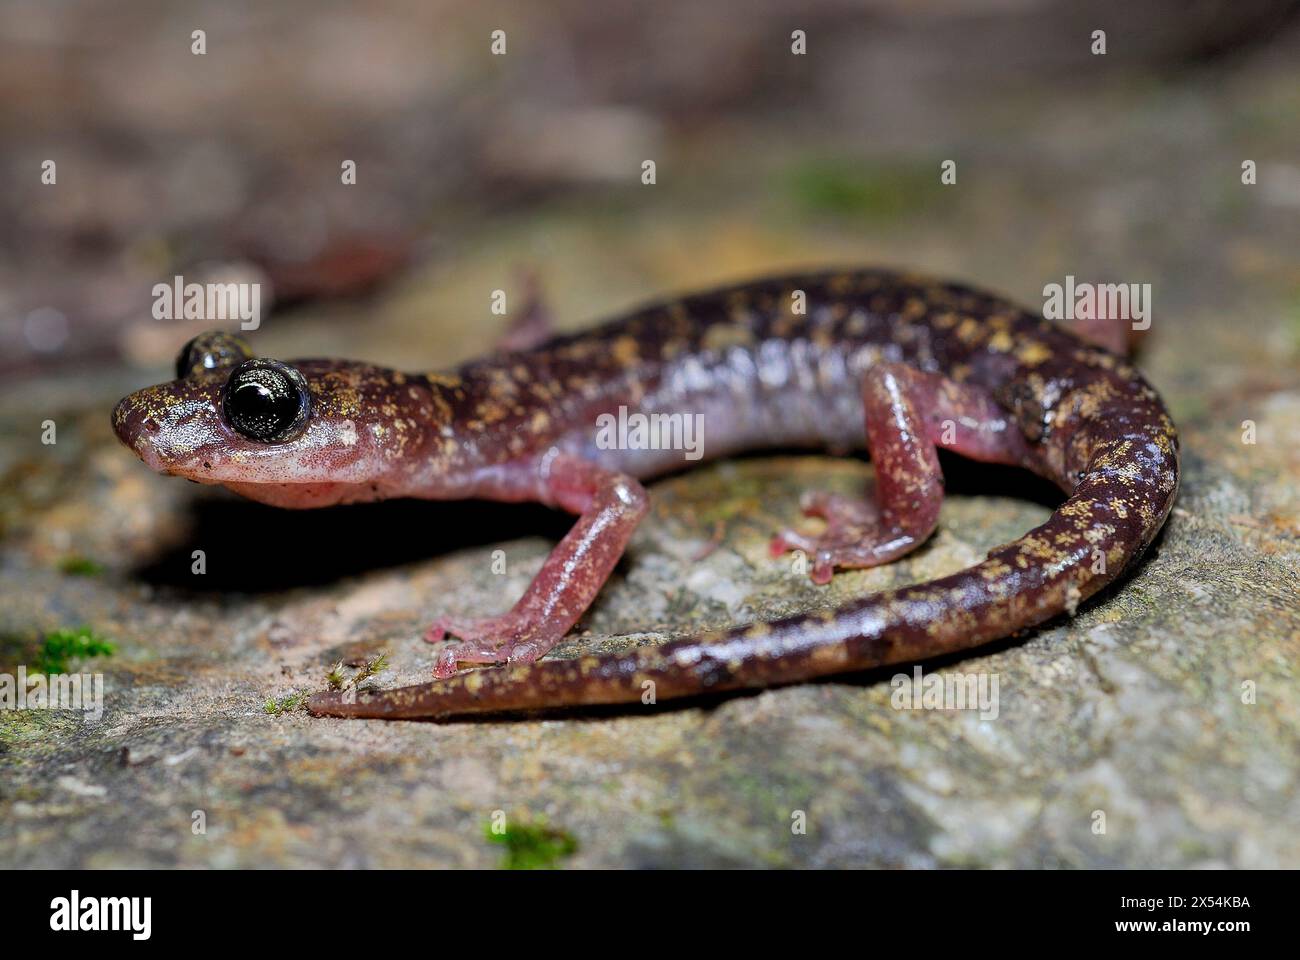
(905, 364)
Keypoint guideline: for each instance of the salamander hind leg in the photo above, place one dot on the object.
(610, 507)
(908, 414)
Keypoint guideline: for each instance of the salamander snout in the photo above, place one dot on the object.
(222, 401)
(130, 421)
(163, 424)
(166, 425)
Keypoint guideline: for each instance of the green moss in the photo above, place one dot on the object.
(861, 190)
(75, 565)
(286, 704)
(39, 730)
(336, 677)
(1293, 324)
(532, 845)
(60, 647)
(339, 680)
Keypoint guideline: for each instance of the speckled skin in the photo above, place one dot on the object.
(910, 362)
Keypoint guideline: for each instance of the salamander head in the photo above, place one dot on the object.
(305, 433)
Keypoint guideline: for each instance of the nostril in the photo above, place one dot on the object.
(150, 424)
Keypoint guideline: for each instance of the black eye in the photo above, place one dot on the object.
(266, 401)
(210, 350)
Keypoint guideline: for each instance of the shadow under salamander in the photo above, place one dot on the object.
(252, 548)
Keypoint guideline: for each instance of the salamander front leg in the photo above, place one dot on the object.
(610, 507)
(908, 413)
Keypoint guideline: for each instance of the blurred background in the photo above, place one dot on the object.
(473, 170)
(1124, 166)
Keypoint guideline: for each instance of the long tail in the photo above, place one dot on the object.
(1122, 497)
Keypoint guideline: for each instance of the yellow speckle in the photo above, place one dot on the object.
(1032, 353)
(626, 351)
(1001, 342)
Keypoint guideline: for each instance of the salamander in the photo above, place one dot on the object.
(901, 364)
